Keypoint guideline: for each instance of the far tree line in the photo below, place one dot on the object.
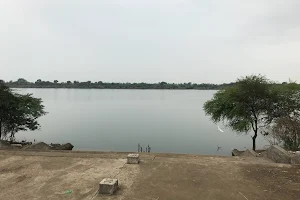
(23, 83)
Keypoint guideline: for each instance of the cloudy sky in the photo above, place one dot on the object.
(149, 40)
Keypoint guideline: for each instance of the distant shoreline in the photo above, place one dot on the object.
(22, 83)
(14, 87)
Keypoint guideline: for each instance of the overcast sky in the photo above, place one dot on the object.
(149, 40)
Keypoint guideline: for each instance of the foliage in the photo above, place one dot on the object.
(286, 126)
(286, 100)
(101, 85)
(245, 106)
(18, 112)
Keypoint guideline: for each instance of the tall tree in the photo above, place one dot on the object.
(18, 112)
(244, 106)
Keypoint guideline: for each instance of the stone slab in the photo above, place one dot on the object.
(16, 145)
(133, 158)
(108, 186)
(236, 152)
(250, 153)
(278, 154)
(295, 160)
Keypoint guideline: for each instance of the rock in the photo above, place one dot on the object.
(40, 145)
(26, 143)
(44, 146)
(22, 143)
(55, 145)
(4, 143)
(67, 146)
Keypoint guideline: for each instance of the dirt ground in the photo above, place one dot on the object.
(48, 175)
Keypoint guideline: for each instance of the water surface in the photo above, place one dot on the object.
(171, 121)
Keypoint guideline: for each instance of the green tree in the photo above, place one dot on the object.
(288, 131)
(286, 115)
(244, 106)
(18, 112)
(22, 81)
(39, 81)
(286, 100)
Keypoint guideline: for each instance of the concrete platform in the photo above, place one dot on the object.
(47, 175)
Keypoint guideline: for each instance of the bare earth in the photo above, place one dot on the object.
(47, 175)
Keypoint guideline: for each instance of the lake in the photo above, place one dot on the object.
(170, 121)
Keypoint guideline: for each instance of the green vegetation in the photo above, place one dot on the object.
(254, 103)
(286, 130)
(22, 83)
(18, 112)
(286, 126)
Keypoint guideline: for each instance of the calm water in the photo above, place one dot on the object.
(117, 120)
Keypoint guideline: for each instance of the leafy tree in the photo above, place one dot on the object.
(22, 81)
(55, 81)
(286, 100)
(286, 114)
(244, 106)
(7, 107)
(18, 112)
(288, 131)
(163, 83)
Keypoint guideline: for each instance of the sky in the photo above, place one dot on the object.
(211, 41)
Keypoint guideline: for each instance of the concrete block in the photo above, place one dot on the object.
(250, 153)
(236, 152)
(295, 160)
(278, 154)
(19, 146)
(133, 159)
(108, 186)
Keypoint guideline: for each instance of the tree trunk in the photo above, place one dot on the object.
(0, 130)
(254, 141)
